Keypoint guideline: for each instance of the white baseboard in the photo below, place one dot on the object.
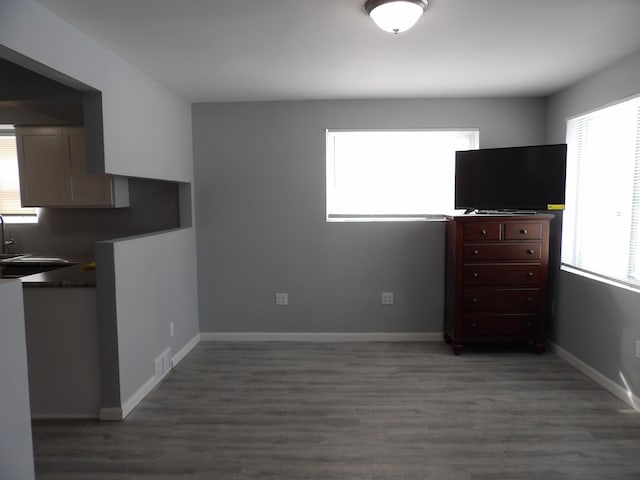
(136, 398)
(184, 351)
(149, 385)
(67, 416)
(321, 337)
(619, 391)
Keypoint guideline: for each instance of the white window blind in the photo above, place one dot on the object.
(9, 179)
(392, 174)
(602, 217)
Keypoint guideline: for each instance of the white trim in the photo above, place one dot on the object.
(20, 219)
(345, 218)
(626, 396)
(110, 414)
(184, 351)
(320, 337)
(136, 398)
(565, 267)
(339, 195)
(153, 382)
(65, 416)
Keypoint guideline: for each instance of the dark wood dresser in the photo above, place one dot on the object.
(496, 279)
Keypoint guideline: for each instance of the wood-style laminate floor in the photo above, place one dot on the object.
(324, 411)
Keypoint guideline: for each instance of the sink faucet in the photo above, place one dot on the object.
(1, 234)
(3, 243)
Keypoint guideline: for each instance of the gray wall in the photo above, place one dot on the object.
(16, 448)
(74, 231)
(260, 211)
(150, 294)
(147, 134)
(596, 322)
(147, 128)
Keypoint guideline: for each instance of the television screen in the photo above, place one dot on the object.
(515, 178)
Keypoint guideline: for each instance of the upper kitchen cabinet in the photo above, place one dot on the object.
(53, 171)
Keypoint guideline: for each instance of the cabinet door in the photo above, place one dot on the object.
(87, 189)
(44, 172)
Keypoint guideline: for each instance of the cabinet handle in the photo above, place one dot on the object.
(530, 251)
(475, 252)
(523, 231)
(483, 231)
(530, 274)
(474, 274)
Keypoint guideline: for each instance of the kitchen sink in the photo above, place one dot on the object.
(19, 265)
(30, 258)
(22, 260)
(4, 256)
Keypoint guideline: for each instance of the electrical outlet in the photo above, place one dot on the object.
(387, 298)
(171, 329)
(637, 348)
(282, 299)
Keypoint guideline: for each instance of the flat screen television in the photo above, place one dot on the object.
(511, 179)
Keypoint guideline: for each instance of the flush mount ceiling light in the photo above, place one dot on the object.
(395, 16)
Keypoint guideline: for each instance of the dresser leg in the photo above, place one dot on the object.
(539, 347)
(457, 348)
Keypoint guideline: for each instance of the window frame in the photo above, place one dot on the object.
(387, 217)
(29, 215)
(568, 260)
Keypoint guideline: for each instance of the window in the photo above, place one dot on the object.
(392, 174)
(10, 206)
(602, 217)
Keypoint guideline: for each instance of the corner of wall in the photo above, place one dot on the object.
(107, 326)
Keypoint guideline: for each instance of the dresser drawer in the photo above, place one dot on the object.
(524, 251)
(522, 231)
(498, 325)
(501, 275)
(491, 300)
(482, 231)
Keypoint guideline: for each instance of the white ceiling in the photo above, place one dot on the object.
(237, 50)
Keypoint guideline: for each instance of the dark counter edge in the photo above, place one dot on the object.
(75, 276)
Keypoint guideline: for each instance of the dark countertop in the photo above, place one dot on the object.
(75, 276)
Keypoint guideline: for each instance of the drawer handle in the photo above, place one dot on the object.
(474, 325)
(474, 274)
(523, 231)
(474, 300)
(528, 324)
(529, 274)
(530, 251)
(529, 299)
(475, 252)
(483, 231)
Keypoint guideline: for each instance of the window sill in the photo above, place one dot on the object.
(600, 278)
(20, 219)
(383, 218)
